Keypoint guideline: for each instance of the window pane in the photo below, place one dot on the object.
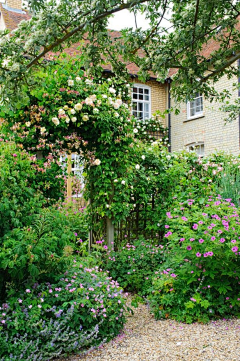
(140, 90)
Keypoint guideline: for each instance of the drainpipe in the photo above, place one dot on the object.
(169, 114)
(238, 97)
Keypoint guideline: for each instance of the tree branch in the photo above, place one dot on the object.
(81, 26)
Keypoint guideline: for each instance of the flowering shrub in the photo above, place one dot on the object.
(82, 307)
(70, 112)
(133, 266)
(201, 276)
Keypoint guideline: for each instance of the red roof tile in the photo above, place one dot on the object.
(13, 18)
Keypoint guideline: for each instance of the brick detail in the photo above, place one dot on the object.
(15, 4)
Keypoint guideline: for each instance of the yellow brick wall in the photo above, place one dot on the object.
(209, 129)
(158, 96)
(15, 4)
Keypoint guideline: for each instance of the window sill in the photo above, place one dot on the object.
(193, 118)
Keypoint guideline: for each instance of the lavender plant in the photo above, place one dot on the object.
(80, 309)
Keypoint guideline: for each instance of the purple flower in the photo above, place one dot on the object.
(205, 254)
(184, 218)
(222, 240)
(233, 241)
(182, 239)
(210, 254)
(198, 254)
(192, 239)
(166, 226)
(195, 226)
(213, 238)
(220, 231)
(28, 290)
(193, 299)
(173, 275)
(201, 240)
(189, 248)
(105, 247)
(235, 249)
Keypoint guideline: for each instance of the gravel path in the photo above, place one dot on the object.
(145, 339)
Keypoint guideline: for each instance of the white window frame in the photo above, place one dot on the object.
(144, 87)
(198, 148)
(76, 168)
(197, 114)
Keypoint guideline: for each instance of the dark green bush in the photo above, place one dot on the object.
(20, 198)
(134, 265)
(42, 249)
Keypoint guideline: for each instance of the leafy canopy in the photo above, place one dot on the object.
(192, 25)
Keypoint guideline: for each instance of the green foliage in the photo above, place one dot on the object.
(200, 279)
(133, 266)
(20, 195)
(42, 249)
(82, 307)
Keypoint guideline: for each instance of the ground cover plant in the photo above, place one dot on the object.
(82, 307)
(134, 265)
(200, 279)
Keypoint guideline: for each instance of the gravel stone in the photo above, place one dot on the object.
(145, 339)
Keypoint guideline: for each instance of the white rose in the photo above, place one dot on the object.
(116, 106)
(93, 97)
(112, 90)
(74, 119)
(73, 111)
(70, 82)
(55, 121)
(95, 110)
(99, 102)
(143, 157)
(97, 162)
(78, 106)
(28, 124)
(67, 120)
(85, 117)
(65, 107)
(89, 101)
(78, 79)
(88, 81)
(116, 114)
(135, 130)
(137, 166)
(61, 112)
(107, 205)
(104, 96)
(115, 180)
(42, 130)
(123, 182)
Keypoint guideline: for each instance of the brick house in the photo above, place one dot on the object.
(147, 97)
(200, 124)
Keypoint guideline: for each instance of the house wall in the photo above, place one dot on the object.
(158, 96)
(15, 4)
(210, 128)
